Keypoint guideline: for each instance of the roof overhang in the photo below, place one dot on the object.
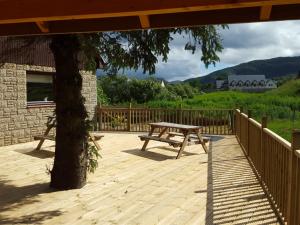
(35, 17)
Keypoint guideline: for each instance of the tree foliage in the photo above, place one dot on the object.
(121, 89)
(141, 49)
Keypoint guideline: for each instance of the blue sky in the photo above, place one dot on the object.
(242, 43)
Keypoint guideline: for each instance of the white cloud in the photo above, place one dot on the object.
(245, 42)
(242, 43)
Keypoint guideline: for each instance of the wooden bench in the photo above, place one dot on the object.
(173, 134)
(44, 137)
(174, 143)
(52, 138)
(96, 137)
(91, 138)
(51, 123)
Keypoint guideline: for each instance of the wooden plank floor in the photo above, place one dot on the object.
(134, 187)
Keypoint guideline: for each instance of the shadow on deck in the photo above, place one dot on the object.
(13, 198)
(135, 187)
(234, 195)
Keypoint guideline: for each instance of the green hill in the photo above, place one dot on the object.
(290, 88)
(272, 68)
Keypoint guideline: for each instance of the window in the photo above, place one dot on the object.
(240, 83)
(40, 89)
(254, 83)
(262, 83)
(247, 83)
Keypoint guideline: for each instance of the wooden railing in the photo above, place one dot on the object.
(276, 163)
(137, 119)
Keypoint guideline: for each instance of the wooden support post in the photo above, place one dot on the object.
(180, 114)
(265, 12)
(184, 143)
(43, 26)
(248, 132)
(235, 121)
(198, 133)
(240, 122)
(147, 141)
(43, 139)
(292, 181)
(129, 118)
(145, 21)
(100, 117)
(264, 124)
(232, 121)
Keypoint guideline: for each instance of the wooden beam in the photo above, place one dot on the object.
(24, 11)
(265, 12)
(229, 16)
(145, 22)
(43, 26)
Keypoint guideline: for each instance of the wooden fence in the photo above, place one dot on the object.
(276, 163)
(137, 119)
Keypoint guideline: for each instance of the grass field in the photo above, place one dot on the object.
(284, 127)
(281, 106)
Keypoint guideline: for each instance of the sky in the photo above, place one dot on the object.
(241, 42)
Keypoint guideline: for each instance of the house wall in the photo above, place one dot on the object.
(19, 123)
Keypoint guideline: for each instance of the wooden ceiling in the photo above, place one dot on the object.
(34, 17)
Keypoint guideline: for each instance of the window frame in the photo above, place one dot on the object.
(39, 104)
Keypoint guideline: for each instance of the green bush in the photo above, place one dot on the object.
(121, 89)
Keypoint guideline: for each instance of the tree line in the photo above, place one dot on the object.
(116, 89)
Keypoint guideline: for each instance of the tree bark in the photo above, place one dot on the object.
(70, 162)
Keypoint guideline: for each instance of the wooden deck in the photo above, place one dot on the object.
(134, 187)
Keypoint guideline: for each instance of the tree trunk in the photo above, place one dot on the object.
(70, 162)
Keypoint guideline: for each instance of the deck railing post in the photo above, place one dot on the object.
(129, 118)
(240, 121)
(292, 180)
(264, 124)
(99, 112)
(180, 114)
(248, 132)
(232, 121)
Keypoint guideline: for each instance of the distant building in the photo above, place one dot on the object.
(251, 83)
(221, 84)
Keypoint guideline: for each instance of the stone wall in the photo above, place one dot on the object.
(19, 123)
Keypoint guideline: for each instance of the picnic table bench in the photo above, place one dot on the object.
(174, 143)
(188, 133)
(51, 123)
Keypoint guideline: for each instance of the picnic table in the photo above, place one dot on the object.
(51, 123)
(191, 135)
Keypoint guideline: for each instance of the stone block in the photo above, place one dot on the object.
(10, 73)
(10, 66)
(1, 141)
(21, 67)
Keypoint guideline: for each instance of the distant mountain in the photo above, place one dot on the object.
(175, 82)
(272, 68)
